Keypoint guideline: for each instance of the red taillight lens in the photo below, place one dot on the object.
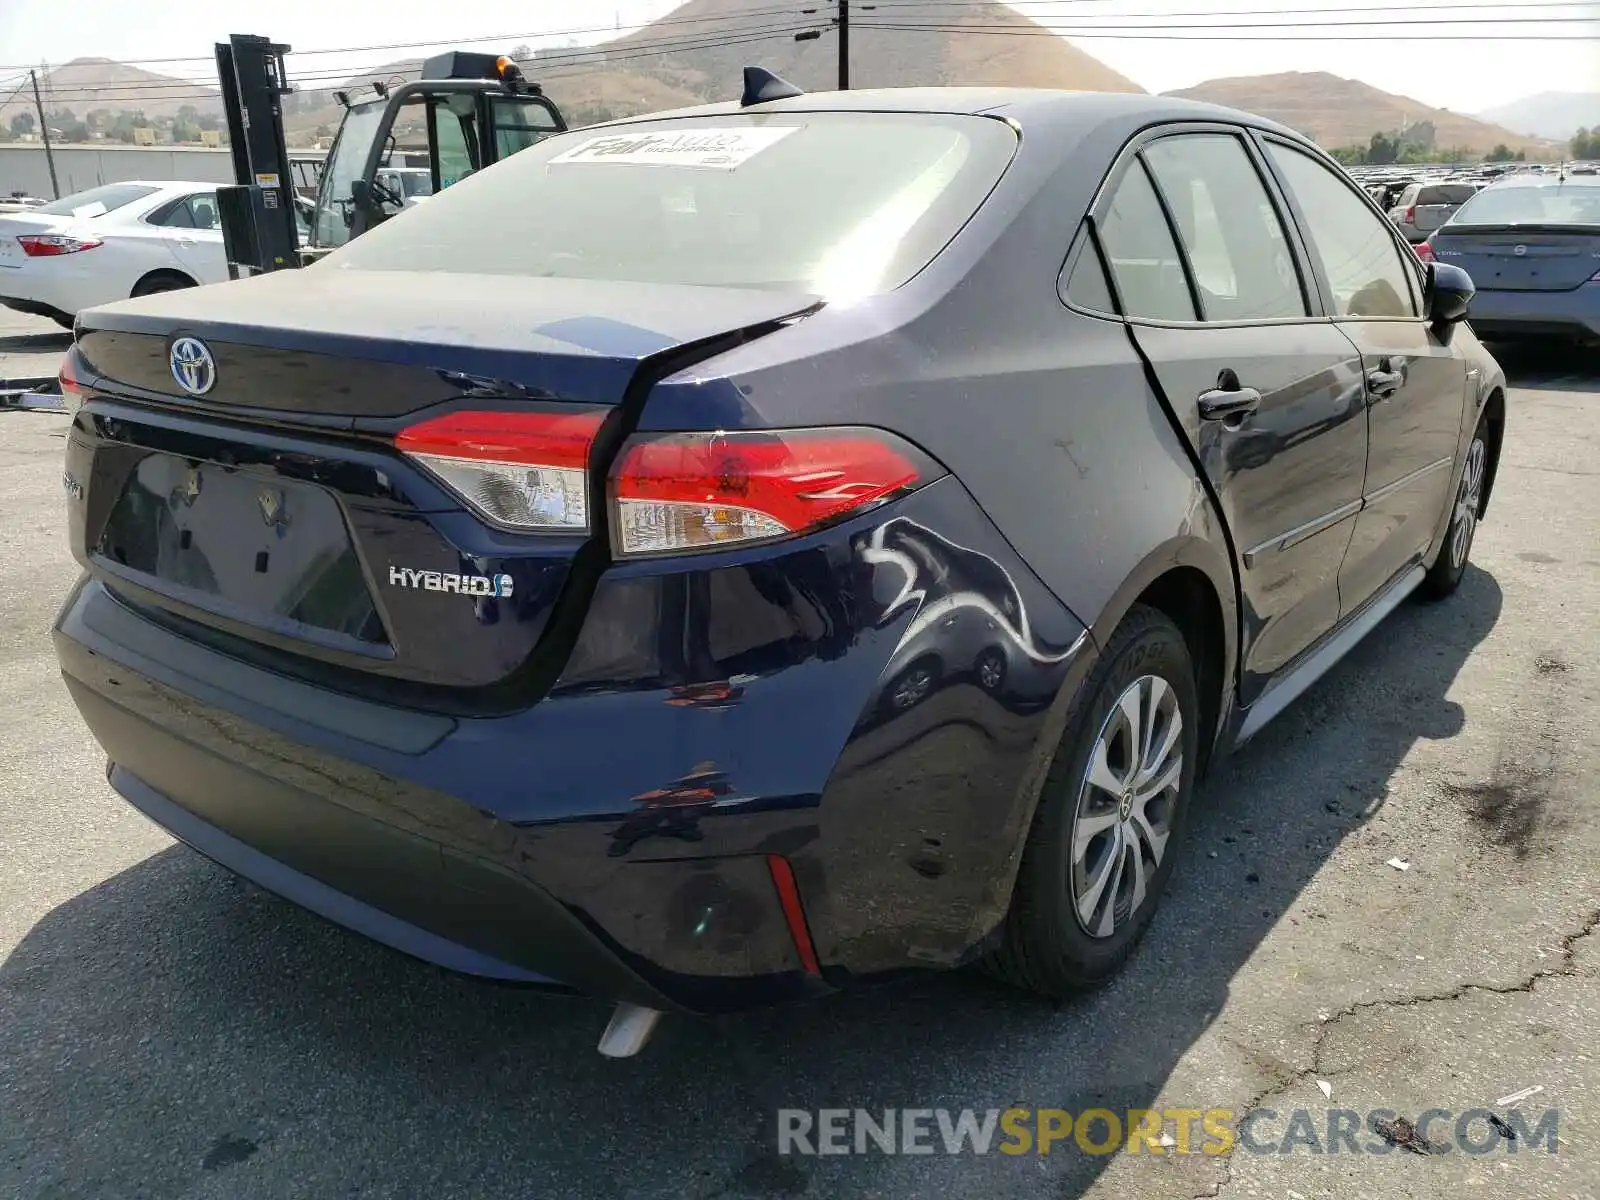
(523, 470)
(49, 245)
(1424, 252)
(1411, 215)
(73, 393)
(694, 491)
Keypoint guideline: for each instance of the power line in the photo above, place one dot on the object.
(786, 10)
(1141, 32)
(670, 44)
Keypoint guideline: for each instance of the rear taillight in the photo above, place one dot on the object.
(49, 245)
(694, 491)
(1411, 215)
(523, 470)
(73, 393)
(1424, 252)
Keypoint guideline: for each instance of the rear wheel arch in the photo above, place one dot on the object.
(1191, 582)
(1494, 414)
(164, 279)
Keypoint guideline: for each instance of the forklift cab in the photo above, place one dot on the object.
(475, 109)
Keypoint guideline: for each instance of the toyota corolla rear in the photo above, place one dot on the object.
(462, 588)
(1532, 248)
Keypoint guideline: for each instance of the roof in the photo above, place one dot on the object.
(1088, 108)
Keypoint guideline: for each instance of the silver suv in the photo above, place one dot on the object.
(1423, 207)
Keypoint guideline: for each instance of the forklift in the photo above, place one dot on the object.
(466, 112)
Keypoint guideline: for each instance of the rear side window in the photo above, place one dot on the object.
(1365, 272)
(1237, 248)
(175, 215)
(1144, 258)
(96, 202)
(1086, 286)
(836, 204)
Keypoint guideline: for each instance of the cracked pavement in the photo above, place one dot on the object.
(167, 1031)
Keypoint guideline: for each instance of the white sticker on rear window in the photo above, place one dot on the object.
(708, 149)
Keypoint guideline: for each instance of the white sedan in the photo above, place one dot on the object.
(109, 243)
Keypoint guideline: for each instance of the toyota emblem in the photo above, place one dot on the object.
(193, 368)
(1520, 251)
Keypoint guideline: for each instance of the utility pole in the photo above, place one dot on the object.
(44, 132)
(844, 45)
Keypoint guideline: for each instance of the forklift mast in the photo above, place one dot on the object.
(475, 109)
(258, 223)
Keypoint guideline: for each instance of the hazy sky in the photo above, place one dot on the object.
(1474, 61)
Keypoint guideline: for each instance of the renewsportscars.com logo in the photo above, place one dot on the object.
(444, 581)
(1157, 1132)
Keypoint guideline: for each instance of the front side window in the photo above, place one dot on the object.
(1237, 248)
(1144, 258)
(1359, 255)
(838, 205)
(347, 162)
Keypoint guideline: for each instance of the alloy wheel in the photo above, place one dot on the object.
(1465, 522)
(1126, 805)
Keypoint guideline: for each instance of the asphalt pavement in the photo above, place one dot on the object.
(168, 1031)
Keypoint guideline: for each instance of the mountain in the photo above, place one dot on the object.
(1556, 115)
(879, 56)
(1334, 112)
(660, 66)
(86, 84)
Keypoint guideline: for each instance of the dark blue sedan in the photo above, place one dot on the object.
(730, 555)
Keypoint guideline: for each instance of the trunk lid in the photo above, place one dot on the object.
(1505, 259)
(273, 515)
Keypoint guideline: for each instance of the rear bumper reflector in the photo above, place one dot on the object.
(794, 913)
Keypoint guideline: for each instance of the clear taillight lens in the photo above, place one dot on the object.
(522, 470)
(49, 245)
(697, 491)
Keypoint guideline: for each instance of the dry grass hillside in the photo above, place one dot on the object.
(1344, 112)
(879, 57)
(86, 84)
(697, 53)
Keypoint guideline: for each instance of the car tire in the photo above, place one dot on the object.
(1045, 945)
(1444, 577)
(161, 281)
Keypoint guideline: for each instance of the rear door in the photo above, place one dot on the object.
(1268, 394)
(199, 245)
(1415, 386)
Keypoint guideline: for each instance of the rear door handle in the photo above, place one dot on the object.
(1221, 404)
(1384, 383)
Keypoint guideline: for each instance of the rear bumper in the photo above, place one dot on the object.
(561, 845)
(1574, 313)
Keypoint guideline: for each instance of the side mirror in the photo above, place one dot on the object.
(1450, 292)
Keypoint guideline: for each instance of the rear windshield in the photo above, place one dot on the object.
(1563, 204)
(834, 204)
(1447, 193)
(96, 202)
